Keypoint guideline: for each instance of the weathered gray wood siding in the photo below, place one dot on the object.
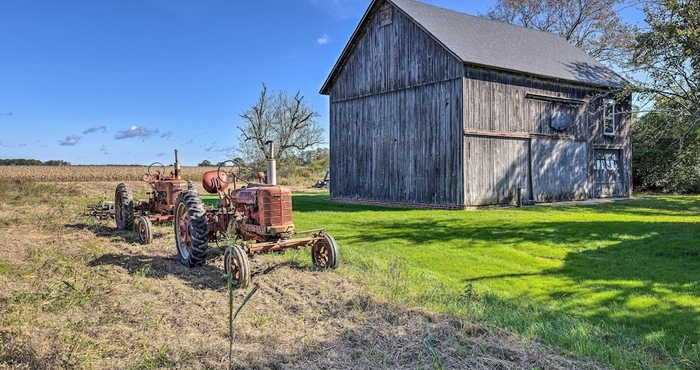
(494, 170)
(395, 118)
(559, 170)
(503, 108)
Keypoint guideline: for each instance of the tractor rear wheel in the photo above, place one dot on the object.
(191, 233)
(324, 253)
(236, 263)
(145, 228)
(124, 207)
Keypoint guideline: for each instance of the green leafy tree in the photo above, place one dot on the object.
(56, 162)
(665, 152)
(665, 138)
(204, 163)
(668, 54)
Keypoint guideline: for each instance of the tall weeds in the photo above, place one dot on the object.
(232, 316)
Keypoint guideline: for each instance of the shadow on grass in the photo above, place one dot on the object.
(109, 230)
(202, 277)
(645, 206)
(306, 202)
(206, 276)
(632, 264)
(102, 230)
(634, 274)
(652, 205)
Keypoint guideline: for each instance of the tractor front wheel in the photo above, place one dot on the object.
(191, 233)
(124, 207)
(324, 253)
(236, 263)
(145, 228)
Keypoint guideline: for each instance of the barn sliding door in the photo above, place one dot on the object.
(559, 170)
(494, 170)
(606, 172)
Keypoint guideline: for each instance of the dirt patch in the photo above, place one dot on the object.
(76, 293)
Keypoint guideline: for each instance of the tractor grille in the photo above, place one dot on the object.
(275, 206)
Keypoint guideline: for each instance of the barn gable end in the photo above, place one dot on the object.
(396, 113)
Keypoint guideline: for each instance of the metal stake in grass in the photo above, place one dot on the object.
(231, 315)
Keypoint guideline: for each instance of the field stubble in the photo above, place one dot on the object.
(93, 173)
(77, 293)
(297, 177)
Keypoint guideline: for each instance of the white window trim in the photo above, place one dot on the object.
(613, 105)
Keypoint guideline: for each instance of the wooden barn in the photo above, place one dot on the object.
(434, 108)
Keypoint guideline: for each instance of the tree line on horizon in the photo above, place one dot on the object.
(32, 162)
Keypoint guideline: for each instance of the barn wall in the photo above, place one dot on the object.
(386, 147)
(499, 102)
(559, 122)
(395, 119)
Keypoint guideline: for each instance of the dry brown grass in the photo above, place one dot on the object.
(76, 293)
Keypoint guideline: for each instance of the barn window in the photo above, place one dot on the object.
(385, 16)
(609, 119)
(607, 160)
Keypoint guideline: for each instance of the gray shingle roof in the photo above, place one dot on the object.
(493, 44)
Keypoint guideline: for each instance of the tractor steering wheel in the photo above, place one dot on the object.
(160, 170)
(225, 179)
(231, 170)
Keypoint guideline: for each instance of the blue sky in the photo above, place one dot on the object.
(129, 81)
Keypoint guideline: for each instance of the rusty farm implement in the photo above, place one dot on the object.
(253, 219)
(143, 213)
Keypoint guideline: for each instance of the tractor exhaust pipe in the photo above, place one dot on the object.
(176, 165)
(271, 165)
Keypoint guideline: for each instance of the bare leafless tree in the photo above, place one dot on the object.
(287, 120)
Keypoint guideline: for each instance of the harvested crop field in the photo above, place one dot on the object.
(77, 293)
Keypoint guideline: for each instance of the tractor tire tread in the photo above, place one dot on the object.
(125, 198)
(198, 222)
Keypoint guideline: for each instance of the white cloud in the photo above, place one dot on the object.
(219, 149)
(69, 141)
(324, 39)
(134, 131)
(95, 129)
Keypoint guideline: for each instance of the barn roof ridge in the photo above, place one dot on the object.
(495, 45)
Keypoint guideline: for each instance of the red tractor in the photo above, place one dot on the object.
(253, 219)
(157, 208)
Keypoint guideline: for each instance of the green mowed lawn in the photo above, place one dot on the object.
(619, 281)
